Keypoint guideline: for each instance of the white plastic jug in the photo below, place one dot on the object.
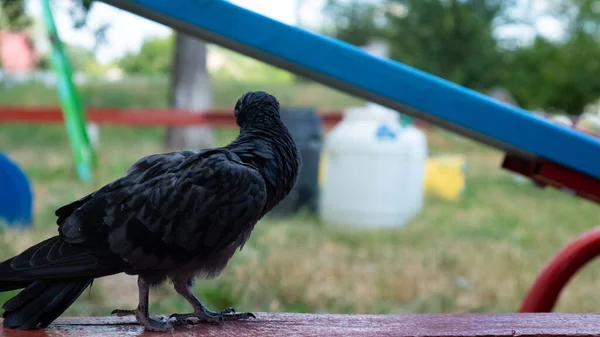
(374, 170)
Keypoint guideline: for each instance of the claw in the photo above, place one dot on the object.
(209, 316)
(238, 316)
(228, 310)
(158, 325)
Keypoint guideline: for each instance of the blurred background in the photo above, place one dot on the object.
(459, 233)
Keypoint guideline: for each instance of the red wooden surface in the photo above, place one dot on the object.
(282, 324)
(143, 117)
(545, 291)
(139, 117)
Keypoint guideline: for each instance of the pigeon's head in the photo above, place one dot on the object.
(256, 107)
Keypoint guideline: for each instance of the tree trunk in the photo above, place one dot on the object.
(190, 90)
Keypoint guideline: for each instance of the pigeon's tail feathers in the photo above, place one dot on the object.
(52, 275)
(41, 302)
(52, 259)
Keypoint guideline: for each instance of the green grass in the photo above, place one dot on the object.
(478, 254)
(225, 93)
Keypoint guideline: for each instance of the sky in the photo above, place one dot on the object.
(132, 29)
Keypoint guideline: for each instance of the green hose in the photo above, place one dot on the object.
(83, 151)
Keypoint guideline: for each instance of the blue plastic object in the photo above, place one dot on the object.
(391, 84)
(16, 197)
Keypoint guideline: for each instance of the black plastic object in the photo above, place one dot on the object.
(306, 128)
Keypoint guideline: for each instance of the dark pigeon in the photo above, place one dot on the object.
(175, 216)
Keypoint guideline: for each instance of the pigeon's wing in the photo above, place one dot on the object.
(207, 202)
(146, 167)
(87, 253)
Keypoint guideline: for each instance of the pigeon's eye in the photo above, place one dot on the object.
(236, 112)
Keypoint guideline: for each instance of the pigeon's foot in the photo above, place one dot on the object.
(209, 316)
(159, 323)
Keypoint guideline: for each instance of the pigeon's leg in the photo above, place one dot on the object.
(141, 313)
(201, 313)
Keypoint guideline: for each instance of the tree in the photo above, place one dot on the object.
(580, 16)
(80, 57)
(189, 77)
(154, 57)
(12, 15)
(353, 22)
(560, 75)
(449, 38)
(556, 76)
(190, 90)
(456, 40)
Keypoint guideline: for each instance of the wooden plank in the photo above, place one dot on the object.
(289, 324)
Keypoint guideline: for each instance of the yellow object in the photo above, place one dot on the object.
(445, 176)
(322, 169)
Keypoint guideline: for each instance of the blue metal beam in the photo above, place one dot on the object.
(392, 84)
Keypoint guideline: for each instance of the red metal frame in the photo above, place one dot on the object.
(135, 117)
(100, 116)
(545, 173)
(222, 117)
(545, 291)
